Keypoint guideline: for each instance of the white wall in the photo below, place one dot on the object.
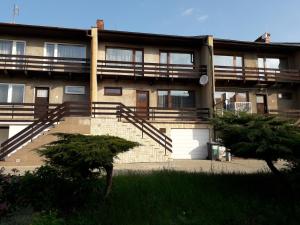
(13, 129)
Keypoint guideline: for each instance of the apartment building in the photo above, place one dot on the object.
(158, 90)
(143, 87)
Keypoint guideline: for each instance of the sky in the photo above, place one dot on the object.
(230, 19)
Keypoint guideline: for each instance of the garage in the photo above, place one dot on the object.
(189, 143)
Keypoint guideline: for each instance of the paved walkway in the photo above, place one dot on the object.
(236, 165)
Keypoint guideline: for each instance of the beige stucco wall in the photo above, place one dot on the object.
(151, 53)
(36, 46)
(129, 88)
(273, 101)
(56, 87)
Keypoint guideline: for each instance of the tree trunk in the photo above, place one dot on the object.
(289, 191)
(273, 168)
(109, 176)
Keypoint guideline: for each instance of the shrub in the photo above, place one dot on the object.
(79, 157)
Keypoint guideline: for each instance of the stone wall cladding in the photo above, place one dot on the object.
(149, 151)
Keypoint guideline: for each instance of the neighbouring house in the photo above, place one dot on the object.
(257, 77)
(158, 90)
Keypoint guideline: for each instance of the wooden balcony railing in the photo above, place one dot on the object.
(22, 112)
(172, 114)
(139, 69)
(42, 63)
(26, 112)
(256, 74)
(290, 113)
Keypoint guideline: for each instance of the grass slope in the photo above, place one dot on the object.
(169, 198)
(175, 198)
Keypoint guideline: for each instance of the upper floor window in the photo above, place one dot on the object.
(65, 50)
(272, 63)
(228, 60)
(11, 47)
(124, 54)
(12, 93)
(176, 58)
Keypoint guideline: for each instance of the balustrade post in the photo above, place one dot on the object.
(142, 129)
(165, 146)
(12, 111)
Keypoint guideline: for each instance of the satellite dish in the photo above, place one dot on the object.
(203, 80)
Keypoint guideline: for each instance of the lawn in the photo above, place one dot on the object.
(173, 198)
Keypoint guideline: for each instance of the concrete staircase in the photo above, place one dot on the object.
(26, 155)
(149, 151)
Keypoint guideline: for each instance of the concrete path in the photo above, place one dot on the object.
(236, 165)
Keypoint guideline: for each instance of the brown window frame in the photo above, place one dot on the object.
(176, 51)
(234, 58)
(170, 99)
(264, 57)
(112, 94)
(126, 48)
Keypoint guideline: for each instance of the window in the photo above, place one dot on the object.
(285, 96)
(12, 93)
(163, 99)
(123, 54)
(176, 58)
(176, 99)
(228, 60)
(65, 50)
(272, 63)
(12, 47)
(265, 63)
(231, 96)
(75, 90)
(113, 91)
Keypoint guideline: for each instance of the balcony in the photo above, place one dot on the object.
(29, 63)
(289, 113)
(155, 70)
(28, 112)
(256, 74)
(236, 107)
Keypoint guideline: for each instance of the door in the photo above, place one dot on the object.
(189, 143)
(41, 101)
(261, 104)
(142, 104)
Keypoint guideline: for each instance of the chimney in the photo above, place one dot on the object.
(265, 38)
(100, 24)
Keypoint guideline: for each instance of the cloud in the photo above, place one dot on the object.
(202, 18)
(188, 12)
(194, 14)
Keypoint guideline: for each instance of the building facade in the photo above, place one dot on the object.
(159, 90)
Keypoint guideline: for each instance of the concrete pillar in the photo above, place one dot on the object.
(211, 71)
(93, 71)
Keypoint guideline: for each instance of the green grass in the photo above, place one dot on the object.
(175, 198)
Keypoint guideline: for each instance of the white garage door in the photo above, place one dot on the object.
(189, 143)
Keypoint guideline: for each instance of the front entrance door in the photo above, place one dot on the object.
(41, 101)
(261, 104)
(142, 104)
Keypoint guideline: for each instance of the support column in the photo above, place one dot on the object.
(93, 65)
(211, 72)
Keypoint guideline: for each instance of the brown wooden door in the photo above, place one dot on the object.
(41, 101)
(261, 104)
(142, 104)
